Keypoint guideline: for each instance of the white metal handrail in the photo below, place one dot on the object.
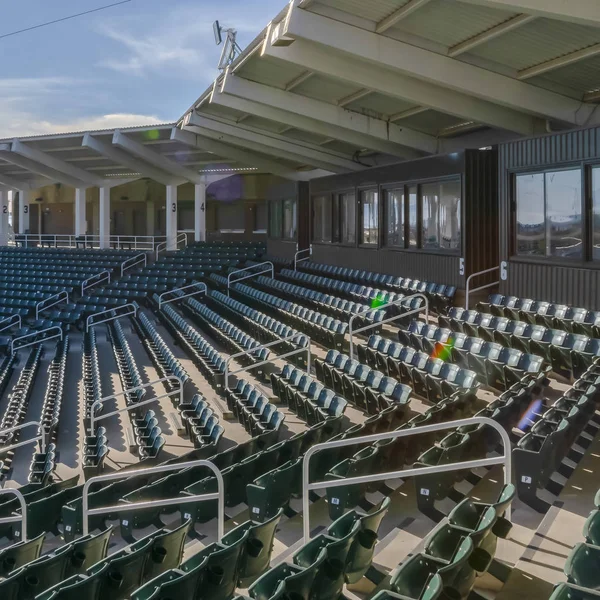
(202, 290)
(10, 322)
(59, 298)
(181, 237)
(136, 405)
(138, 242)
(103, 276)
(133, 262)
(414, 311)
(298, 350)
(35, 334)
(219, 495)
(22, 518)
(90, 323)
(468, 289)
(298, 258)
(269, 267)
(39, 438)
(307, 487)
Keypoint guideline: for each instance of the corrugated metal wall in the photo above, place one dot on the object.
(575, 285)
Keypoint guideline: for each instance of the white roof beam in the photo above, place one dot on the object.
(428, 66)
(239, 155)
(399, 14)
(122, 158)
(490, 34)
(56, 164)
(298, 81)
(270, 143)
(561, 61)
(404, 88)
(592, 96)
(355, 97)
(584, 12)
(16, 184)
(322, 118)
(158, 160)
(409, 112)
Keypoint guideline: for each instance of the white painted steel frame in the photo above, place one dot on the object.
(163, 245)
(468, 289)
(22, 518)
(298, 258)
(415, 311)
(34, 334)
(298, 350)
(137, 259)
(102, 277)
(219, 495)
(307, 487)
(204, 290)
(268, 264)
(18, 322)
(89, 323)
(94, 418)
(60, 297)
(39, 438)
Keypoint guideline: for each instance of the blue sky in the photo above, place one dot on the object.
(142, 62)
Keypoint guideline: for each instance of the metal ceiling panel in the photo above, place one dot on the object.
(583, 76)
(270, 72)
(372, 10)
(325, 88)
(430, 121)
(379, 105)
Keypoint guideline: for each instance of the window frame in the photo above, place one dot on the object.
(279, 234)
(294, 202)
(359, 217)
(328, 197)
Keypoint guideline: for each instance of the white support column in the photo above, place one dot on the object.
(200, 212)
(80, 212)
(150, 218)
(171, 224)
(3, 218)
(104, 214)
(23, 211)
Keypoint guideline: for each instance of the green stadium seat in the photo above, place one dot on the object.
(581, 567)
(564, 591)
(19, 554)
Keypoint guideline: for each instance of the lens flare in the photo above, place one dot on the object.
(528, 418)
(152, 134)
(442, 351)
(378, 301)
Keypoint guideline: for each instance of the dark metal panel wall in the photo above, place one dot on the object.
(568, 284)
(281, 248)
(430, 267)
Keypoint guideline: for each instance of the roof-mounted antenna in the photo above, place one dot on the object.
(230, 46)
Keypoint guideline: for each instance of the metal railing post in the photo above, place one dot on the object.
(89, 323)
(39, 438)
(64, 295)
(11, 322)
(34, 334)
(268, 264)
(99, 402)
(469, 291)
(202, 290)
(138, 258)
(98, 277)
(299, 350)
(307, 487)
(219, 496)
(22, 518)
(414, 311)
(298, 259)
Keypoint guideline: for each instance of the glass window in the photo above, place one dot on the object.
(394, 211)
(369, 204)
(289, 219)
(347, 218)
(596, 212)
(412, 217)
(321, 219)
(336, 218)
(449, 219)
(430, 202)
(275, 219)
(549, 215)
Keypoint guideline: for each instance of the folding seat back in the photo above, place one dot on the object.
(418, 578)
(87, 551)
(19, 554)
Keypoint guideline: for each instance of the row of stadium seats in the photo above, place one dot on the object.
(200, 422)
(548, 314)
(43, 463)
(440, 296)
(569, 354)
(16, 409)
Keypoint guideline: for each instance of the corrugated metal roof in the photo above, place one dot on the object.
(449, 22)
(430, 121)
(583, 76)
(379, 105)
(536, 42)
(373, 10)
(325, 88)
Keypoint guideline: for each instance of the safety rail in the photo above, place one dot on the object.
(10, 322)
(162, 247)
(60, 297)
(298, 350)
(136, 405)
(22, 518)
(414, 311)
(39, 438)
(90, 323)
(35, 334)
(102, 277)
(133, 262)
(505, 459)
(131, 242)
(501, 268)
(203, 289)
(268, 264)
(298, 258)
(219, 495)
